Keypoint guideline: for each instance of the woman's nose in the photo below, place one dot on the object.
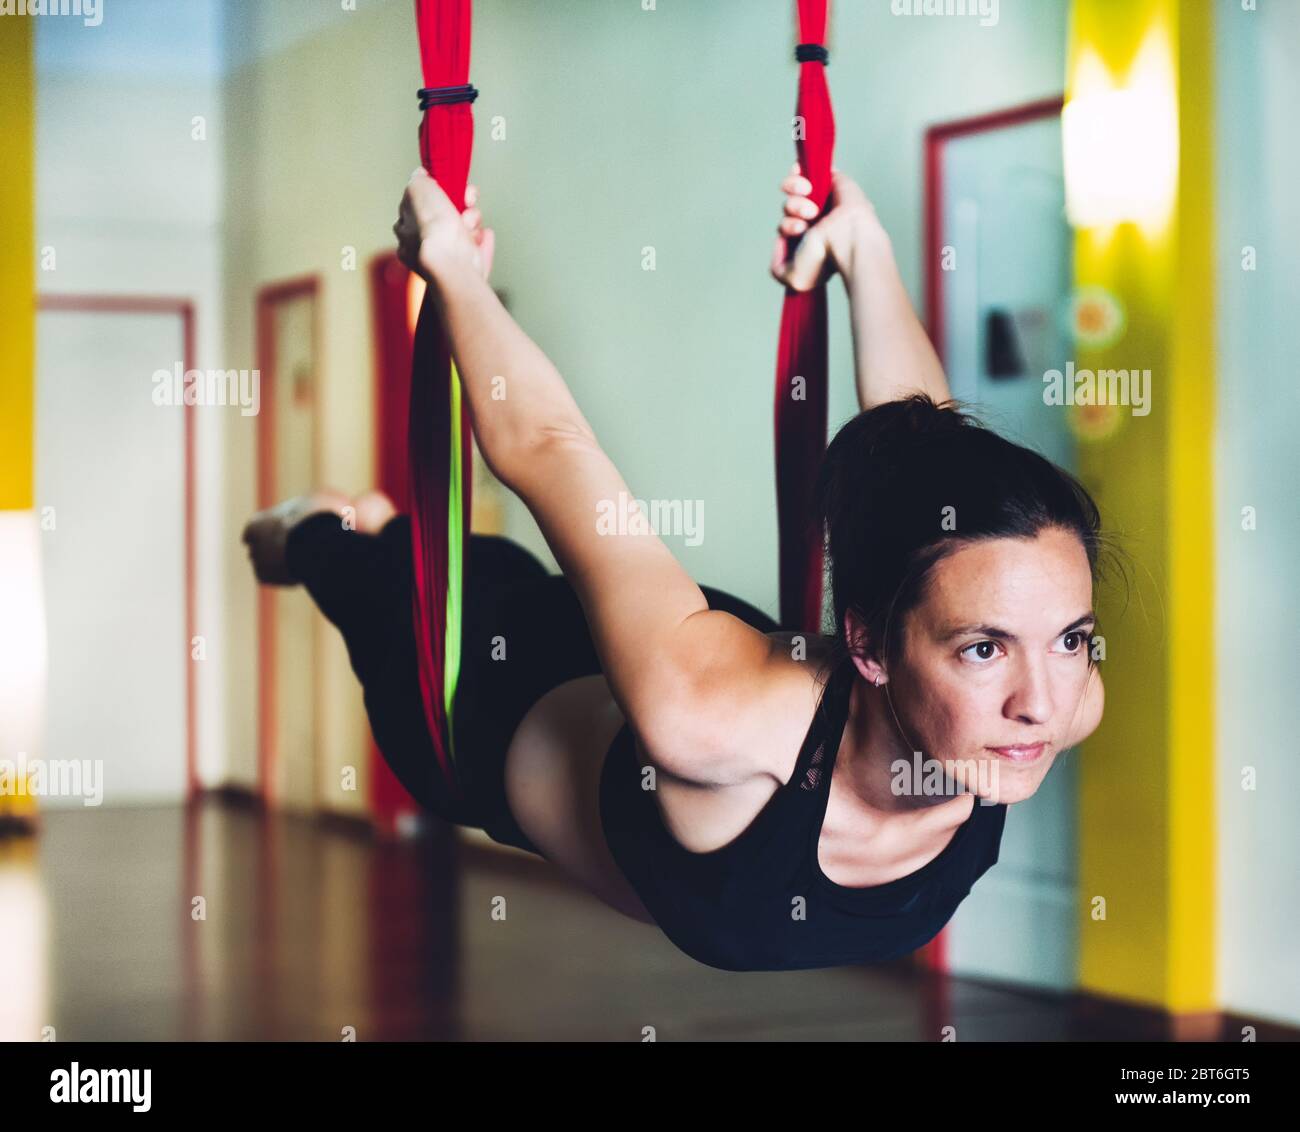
(1030, 697)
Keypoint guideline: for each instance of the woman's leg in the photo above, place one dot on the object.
(360, 581)
(266, 533)
(524, 633)
(356, 564)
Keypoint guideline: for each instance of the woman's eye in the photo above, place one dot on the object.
(991, 645)
(1080, 637)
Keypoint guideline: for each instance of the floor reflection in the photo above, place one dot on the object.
(218, 922)
(24, 944)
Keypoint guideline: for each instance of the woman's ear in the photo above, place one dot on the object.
(858, 639)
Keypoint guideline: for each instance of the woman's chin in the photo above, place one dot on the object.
(1009, 789)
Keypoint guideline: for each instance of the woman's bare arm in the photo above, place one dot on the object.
(660, 646)
(892, 354)
(515, 395)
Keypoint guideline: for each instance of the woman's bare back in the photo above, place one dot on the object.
(557, 753)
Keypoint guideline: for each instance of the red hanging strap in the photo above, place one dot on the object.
(800, 401)
(446, 144)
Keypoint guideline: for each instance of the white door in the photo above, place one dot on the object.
(110, 469)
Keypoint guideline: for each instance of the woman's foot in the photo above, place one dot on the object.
(267, 532)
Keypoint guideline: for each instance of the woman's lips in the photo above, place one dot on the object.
(1020, 754)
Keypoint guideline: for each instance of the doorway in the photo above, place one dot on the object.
(288, 448)
(117, 544)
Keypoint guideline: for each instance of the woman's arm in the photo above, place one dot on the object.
(660, 646)
(515, 395)
(891, 352)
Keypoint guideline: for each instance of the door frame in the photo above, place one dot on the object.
(184, 309)
(936, 137)
(267, 299)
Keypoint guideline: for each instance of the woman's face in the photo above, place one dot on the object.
(997, 657)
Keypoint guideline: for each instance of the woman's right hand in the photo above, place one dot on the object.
(827, 243)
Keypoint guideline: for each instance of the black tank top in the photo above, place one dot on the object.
(761, 902)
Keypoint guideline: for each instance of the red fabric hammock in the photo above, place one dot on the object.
(440, 441)
(800, 401)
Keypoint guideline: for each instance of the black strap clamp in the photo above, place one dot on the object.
(811, 53)
(441, 95)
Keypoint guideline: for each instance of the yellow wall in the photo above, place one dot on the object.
(18, 340)
(17, 271)
(1146, 781)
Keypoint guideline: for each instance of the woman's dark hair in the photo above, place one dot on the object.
(908, 482)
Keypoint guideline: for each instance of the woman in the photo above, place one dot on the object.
(754, 793)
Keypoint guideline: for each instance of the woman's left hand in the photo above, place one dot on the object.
(434, 239)
(827, 240)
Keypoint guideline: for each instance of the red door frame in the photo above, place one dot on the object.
(934, 955)
(936, 137)
(268, 297)
(184, 309)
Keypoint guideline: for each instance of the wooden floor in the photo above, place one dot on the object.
(221, 923)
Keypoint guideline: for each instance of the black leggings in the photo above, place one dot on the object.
(524, 632)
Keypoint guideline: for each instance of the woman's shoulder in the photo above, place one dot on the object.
(804, 667)
(753, 738)
(750, 718)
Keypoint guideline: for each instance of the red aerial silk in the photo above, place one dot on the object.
(800, 405)
(440, 443)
